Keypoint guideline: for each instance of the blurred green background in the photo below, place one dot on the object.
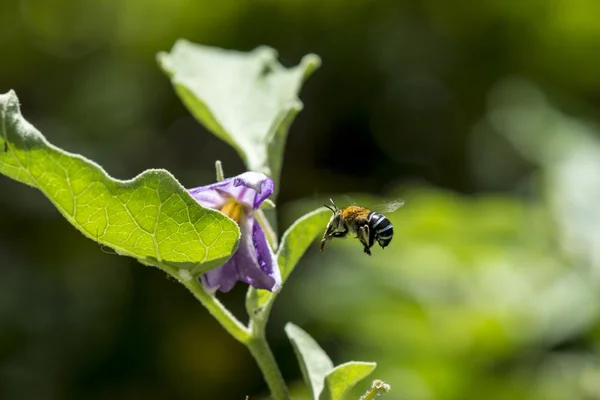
(483, 117)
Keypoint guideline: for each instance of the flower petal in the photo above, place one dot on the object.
(222, 278)
(253, 263)
(267, 261)
(249, 188)
(260, 183)
(209, 196)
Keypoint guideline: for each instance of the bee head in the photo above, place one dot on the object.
(337, 214)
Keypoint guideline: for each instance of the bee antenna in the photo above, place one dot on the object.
(329, 207)
(334, 206)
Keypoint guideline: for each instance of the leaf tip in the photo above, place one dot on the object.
(161, 59)
(266, 53)
(289, 327)
(311, 60)
(310, 63)
(182, 42)
(267, 204)
(10, 98)
(296, 105)
(371, 365)
(164, 58)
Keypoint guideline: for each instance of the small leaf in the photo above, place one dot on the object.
(267, 204)
(151, 217)
(298, 237)
(248, 99)
(343, 378)
(315, 364)
(294, 243)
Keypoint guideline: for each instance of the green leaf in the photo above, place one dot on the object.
(294, 243)
(267, 204)
(248, 99)
(343, 378)
(314, 363)
(298, 237)
(325, 381)
(151, 217)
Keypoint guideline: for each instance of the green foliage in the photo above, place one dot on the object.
(315, 364)
(325, 381)
(342, 378)
(249, 100)
(568, 150)
(298, 237)
(151, 217)
(481, 293)
(470, 294)
(267, 204)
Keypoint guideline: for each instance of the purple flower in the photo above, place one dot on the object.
(254, 261)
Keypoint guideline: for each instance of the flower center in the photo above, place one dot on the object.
(233, 210)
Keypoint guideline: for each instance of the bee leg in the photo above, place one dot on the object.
(326, 235)
(363, 236)
(339, 234)
(331, 233)
(323, 241)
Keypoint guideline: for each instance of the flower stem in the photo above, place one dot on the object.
(260, 350)
(231, 324)
(219, 168)
(253, 337)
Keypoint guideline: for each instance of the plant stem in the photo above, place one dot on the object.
(258, 345)
(269, 232)
(219, 168)
(253, 337)
(231, 324)
(260, 350)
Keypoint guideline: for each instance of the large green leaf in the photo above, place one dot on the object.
(248, 99)
(343, 378)
(151, 217)
(294, 243)
(315, 364)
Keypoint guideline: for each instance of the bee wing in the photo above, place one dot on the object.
(389, 207)
(349, 199)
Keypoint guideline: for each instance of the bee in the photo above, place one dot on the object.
(369, 226)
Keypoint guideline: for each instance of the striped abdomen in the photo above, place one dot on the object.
(381, 229)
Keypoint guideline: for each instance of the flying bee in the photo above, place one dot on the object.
(369, 226)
